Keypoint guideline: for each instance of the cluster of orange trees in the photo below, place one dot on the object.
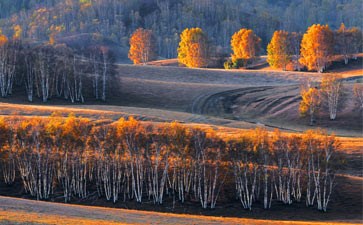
(318, 46)
(313, 50)
(132, 161)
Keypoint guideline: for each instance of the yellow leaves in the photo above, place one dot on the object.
(54, 30)
(142, 46)
(193, 48)
(245, 45)
(3, 39)
(17, 32)
(310, 100)
(4, 130)
(85, 4)
(278, 50)
(128, 126)
(317, 47)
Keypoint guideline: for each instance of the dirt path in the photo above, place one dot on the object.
(20, 211)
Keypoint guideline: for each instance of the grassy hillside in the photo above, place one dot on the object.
(12, 212)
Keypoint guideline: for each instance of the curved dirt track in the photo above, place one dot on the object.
(277, 106)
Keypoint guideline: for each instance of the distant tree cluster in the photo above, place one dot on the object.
(319, 45)
(131, 161)
(142, 46)
(47, 71)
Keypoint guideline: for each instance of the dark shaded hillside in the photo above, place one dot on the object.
(116, 20)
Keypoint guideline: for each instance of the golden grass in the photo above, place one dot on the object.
(122, 216)
(27, 217)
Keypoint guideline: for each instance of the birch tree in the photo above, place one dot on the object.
(331, 86)
(311, 100)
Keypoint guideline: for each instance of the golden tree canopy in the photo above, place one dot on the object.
(142, 46)
(17, 32)
(245, 45)
(310, 102)
(278, 53)
(317, 47)
(3, 39)
(193, 48)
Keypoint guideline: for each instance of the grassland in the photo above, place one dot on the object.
(226, 101)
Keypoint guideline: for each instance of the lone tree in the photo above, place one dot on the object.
(317, 47)
(193, 48)
(142, 46)
(278, 50)
(331, 86)
(245, 46)
(310, 101)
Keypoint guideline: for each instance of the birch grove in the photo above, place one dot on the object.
(132, 161)
(55, 71)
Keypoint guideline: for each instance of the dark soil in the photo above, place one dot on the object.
(346, 204)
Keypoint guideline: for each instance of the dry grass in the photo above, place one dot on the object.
(22, 211)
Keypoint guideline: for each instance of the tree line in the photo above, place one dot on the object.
(314, 50)
(132, 161)
(46, 71)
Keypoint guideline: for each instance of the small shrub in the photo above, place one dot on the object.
(228, 65)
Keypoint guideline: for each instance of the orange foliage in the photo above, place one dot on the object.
(54, 31)
(278, 55)
(17, 32)
(142, 46)
(317, 47)
(310, 102)
(3, 39)
(193, 48)
(245, 45)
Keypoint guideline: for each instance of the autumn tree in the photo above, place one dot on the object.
(311, 100)
(193, 48)
(245, 46)
(17, 32)
(142, 46)
(331, 87)
(54, 31)
(317, 47)
(278, 54)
